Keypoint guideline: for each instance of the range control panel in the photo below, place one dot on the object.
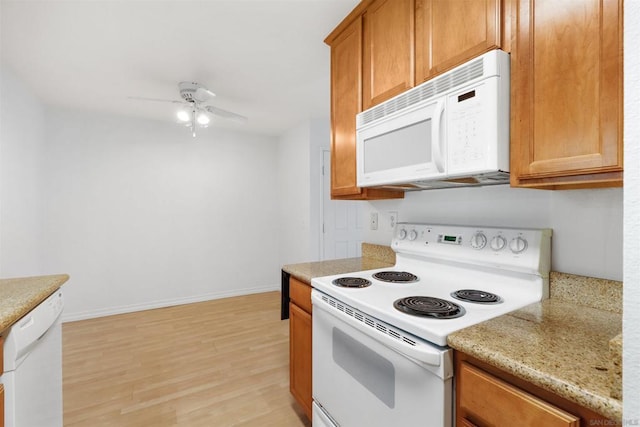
(527, 250)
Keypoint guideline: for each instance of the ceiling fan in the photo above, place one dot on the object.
(195, 111)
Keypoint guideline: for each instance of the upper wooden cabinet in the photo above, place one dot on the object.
(566, 94)
(388, 50)
(449, 33)
(346, 103)
(566, 79)
(346, 95)
(384, 47)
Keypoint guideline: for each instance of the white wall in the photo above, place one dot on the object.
(320, 132)
(300, 185)
(587, 224)
(294, 195)
(631, 332)
(140, 214)
(21, 145)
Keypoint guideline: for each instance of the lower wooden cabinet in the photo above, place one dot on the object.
(487, 397)
(487, 400)
(300, 344)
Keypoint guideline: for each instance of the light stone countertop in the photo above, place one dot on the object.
(18, 296)
(557, 344)
(373, 256)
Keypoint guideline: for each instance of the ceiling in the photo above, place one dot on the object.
(264, 59)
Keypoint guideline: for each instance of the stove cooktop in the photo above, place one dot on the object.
(446, 263)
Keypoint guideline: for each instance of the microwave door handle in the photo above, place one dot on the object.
(436, 136)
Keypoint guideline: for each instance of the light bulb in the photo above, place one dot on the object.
(183, 115)
(203, 119)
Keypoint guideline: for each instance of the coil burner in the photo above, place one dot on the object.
(476, 296)
(396, 276)
(352, 282)
(429, 307)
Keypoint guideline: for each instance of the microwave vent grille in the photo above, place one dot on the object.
(426, 90)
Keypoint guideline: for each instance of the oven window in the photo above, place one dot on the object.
(373, 371)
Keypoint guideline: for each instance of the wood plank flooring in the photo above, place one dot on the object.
(216, 363)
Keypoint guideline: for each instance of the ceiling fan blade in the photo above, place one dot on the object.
(203, 94)
(226, 114)
(140, 98)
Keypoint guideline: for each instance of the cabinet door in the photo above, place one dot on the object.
(300, 357)
(490, 401)
(346, 103)
(566, 93)
(448, 33)
(346, 95)
(388, 50)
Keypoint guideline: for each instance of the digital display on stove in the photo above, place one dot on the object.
(449, 238)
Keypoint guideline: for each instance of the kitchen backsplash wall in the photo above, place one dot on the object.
(587, 224)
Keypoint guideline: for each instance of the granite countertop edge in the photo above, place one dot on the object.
(373, 257)
(575, 365)
(20, 295)
(307, 271)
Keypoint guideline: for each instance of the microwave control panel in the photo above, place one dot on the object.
(477, 128)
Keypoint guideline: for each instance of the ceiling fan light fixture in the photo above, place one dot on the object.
(183, 115)
(195, 112)
(203, 118)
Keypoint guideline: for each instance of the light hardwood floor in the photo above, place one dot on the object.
(217, 363)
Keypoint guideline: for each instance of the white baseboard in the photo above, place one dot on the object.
(90, 314)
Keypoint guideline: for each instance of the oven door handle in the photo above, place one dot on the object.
(420, 353)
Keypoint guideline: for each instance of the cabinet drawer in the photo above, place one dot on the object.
(300, 294)
(487, 400)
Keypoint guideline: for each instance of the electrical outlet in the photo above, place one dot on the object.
(393, 219)
(373, 221)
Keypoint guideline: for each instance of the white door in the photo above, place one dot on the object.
(343, 220)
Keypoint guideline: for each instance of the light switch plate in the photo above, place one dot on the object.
(393, 219)
(373, 221)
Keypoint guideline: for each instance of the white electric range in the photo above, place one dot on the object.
(379, 336)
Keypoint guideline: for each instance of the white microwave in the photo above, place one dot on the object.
(450, 131)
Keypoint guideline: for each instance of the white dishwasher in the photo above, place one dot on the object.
(32, 375)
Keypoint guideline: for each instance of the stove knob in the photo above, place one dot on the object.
(497, 243)
(518, 245)
(478, 241)
(413, 235)
(402, 234)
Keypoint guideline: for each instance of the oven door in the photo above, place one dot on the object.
(363, 375)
